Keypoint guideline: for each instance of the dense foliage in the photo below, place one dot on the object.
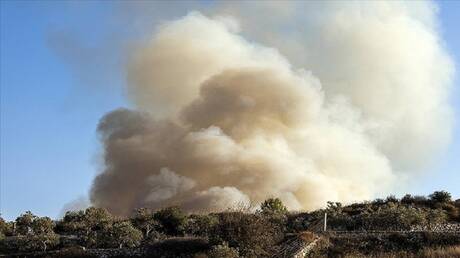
(170, 232)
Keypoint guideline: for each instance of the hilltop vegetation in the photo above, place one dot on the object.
(170, 232)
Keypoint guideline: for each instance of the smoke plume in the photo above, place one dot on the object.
(77, 204)
(341, 107)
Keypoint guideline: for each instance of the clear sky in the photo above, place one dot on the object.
(51, 103)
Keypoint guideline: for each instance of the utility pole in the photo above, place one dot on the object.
(325, 221)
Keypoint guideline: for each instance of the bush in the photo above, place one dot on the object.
(273, 205)
(392, 199)
(223, 251)
(252, 234)
(387, 217)
(435, 216)
(172, 220)
(407, 199)
(440, 197)
(201, 225)
(296, 222)
(154, 237)
(420, 200)
(30, 243)
(334, 207)
(307, 236)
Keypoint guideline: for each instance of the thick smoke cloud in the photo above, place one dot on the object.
(341, 109)
(385, 57)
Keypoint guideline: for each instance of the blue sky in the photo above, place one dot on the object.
(50, 109)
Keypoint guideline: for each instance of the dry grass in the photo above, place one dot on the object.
(307, 236)
(443, 252)
(440, 252)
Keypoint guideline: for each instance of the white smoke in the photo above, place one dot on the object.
(221, 120)
(386, 57)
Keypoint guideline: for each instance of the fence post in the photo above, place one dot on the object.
(325, 221)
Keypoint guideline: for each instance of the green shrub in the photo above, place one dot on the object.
(172, 220)
(387, 217)
(440, 197)
(273, 205)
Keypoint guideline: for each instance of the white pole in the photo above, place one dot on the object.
(325, 221)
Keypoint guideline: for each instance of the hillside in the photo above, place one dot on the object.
(414, 226)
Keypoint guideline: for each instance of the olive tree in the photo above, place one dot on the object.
(144, 220)
(24, 223)
(34, 233)
(123, 234)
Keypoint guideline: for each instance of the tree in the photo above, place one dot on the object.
(2, 229)
(97, 218)
(96, 222)
(35, 233)
(73, 223)
(440, 197)
(89, 224)
(42, 228)
(172, 220)
(145, 221)
(42, 225)
(273, 206)
(24, 223)
(5, 228)
(43, 241)
(123, 234)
